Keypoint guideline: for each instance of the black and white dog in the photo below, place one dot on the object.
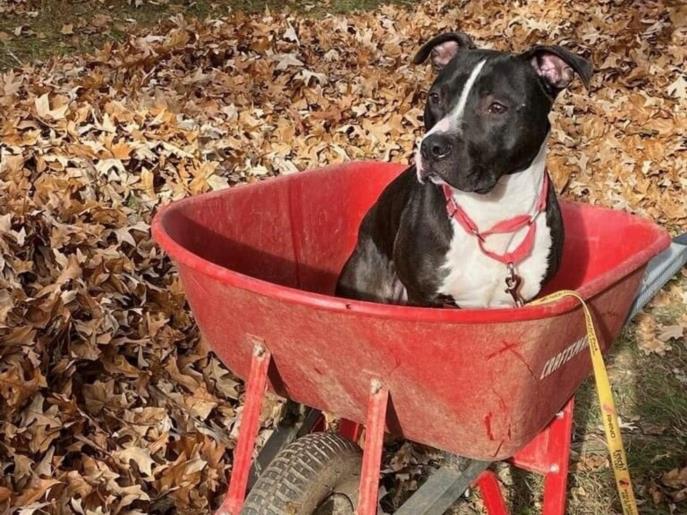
(475, 222)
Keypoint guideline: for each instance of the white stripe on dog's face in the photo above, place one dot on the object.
(457, 114)
(452, 121)
(454, 118)
(442, 125)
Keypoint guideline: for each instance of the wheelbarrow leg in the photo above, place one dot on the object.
(372, 454)
(488, 485)
(556, 479)
(548, 454)
(248, 432)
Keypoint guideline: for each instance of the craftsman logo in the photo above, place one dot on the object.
(563, 357)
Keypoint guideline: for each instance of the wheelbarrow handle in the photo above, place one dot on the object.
(659, 271)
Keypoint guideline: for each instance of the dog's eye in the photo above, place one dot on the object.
(497, 108)
(434, 97)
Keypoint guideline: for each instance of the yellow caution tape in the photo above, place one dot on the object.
(608, 411)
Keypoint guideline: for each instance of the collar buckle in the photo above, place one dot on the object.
(513, 282)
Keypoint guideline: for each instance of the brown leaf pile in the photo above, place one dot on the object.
(14, 7)
(658, 334)
(106, 402)
(671, 487)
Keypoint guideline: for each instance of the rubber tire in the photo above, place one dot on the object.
(304, 474)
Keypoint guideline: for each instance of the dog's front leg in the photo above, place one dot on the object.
(369, 275)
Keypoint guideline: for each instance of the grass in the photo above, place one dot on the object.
(649, 393)
(45, 22)
(651, 400)
(42, 22)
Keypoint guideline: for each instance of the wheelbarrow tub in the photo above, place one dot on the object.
(259, 263)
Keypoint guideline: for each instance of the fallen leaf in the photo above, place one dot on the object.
(43, 110)
(286, 60)
(671, 332)
(140, 456)
(647, 338)
(678, 88)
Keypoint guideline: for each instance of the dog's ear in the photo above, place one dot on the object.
(557, 66)
(443, 48)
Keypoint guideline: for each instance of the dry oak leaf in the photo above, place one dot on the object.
(140, 456)
(675, 478)
(678, 88)
(646, 336)
(671, 332)
(43, 110)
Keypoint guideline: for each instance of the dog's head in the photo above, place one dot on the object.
(487, 111)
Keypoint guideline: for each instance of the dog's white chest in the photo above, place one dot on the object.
(475, 280)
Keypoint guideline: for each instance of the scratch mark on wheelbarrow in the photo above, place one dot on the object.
(506, 346)
(498, 448)
(199, 284)
(502, 402)
(487, 419)
(487, 425)
(511, 347)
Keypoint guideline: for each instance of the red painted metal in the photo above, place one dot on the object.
(350, 430)
(372, 454)
(556, 479)
(263, 259)
(250, 423)
(320, 425)
(543, 452)
(489, 487)
(547, 454)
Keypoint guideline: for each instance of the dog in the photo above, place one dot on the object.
(475, 222)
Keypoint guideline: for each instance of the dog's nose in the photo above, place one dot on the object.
(436, 147)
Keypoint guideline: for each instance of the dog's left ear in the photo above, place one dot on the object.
(443, 48)
(557, 66)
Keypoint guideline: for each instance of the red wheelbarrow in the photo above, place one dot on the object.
(259, 264)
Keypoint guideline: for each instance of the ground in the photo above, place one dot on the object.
(110, 109)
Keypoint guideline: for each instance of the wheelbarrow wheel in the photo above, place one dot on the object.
(316, 474)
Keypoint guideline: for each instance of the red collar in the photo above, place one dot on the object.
(511, 225)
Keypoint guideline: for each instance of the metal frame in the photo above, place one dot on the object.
(659, 271)
(442, 488)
